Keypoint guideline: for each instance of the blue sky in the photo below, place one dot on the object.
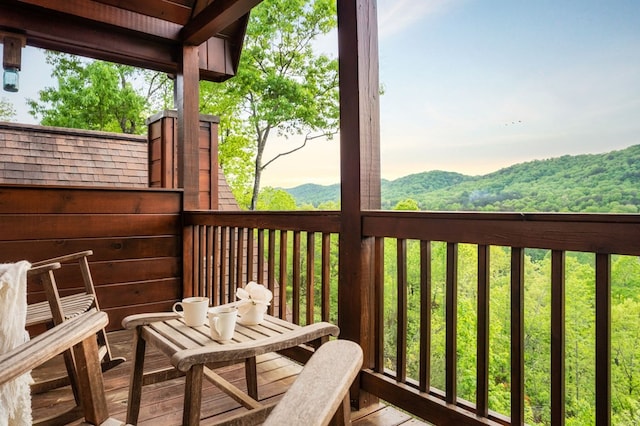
(476, 85)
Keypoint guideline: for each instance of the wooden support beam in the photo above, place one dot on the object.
(187, 102)
(359, 170)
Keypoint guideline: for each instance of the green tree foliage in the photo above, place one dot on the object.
(275, 199)
(95, 95)
(408, 204)
(7, 111)
(285, 88)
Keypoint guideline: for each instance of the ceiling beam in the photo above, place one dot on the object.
(165, 10)
(214, 18)
(116, 16)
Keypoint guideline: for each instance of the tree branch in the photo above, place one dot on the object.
(307, 138)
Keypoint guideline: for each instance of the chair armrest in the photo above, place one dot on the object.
(65, 258)
(321, 387)
(42, 268)
(50, 343)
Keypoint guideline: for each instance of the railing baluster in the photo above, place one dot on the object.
(217, 280)
(224, 244)
(250, 254)
(209, 263)
(296, 277)
(283, 273)
(261, 256)
(603, 339)
(557, 337)
(326, 276)
(271, 262)
(451, 324)
(482, 355)
(240, 258)
(198, 276)
(232, 264)
(311, 256)
(379, 304)
(401, 311)
(517, 336)
(187, 261)
(425, 316)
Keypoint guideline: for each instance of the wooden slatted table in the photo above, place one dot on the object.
(193, 352)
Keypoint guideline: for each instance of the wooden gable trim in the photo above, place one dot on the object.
(214, 18)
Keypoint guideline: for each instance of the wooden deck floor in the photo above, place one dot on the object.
(162, 403)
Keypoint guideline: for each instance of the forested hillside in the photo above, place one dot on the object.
(607, 182)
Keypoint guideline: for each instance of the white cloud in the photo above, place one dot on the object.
(394, 16)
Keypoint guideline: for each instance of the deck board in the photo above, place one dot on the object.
(162, 402)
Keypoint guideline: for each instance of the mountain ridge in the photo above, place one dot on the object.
(606, 182)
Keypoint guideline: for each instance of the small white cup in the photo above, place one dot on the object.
(194, 310)
(222, 322)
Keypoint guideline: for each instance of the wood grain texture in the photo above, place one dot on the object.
(329, 372)
(136, 237)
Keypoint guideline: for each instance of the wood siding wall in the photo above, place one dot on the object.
(136, 237)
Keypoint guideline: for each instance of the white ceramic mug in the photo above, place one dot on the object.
(222, 322)
(194, 310)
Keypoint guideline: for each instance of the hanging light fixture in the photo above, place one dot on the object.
(11, 60)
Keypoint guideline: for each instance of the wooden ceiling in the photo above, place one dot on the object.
(143, 33)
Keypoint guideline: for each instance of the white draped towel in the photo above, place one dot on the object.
(15, 396)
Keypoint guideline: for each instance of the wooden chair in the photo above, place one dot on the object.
(56, 309)
(320, 394)
(78, 335)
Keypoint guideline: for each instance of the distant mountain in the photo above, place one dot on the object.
(607, 182)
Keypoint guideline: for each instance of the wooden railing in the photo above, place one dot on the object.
(231, 240)
(284, 251)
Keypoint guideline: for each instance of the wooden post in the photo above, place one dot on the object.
(187, 102)
(360, 171)
(163, 155)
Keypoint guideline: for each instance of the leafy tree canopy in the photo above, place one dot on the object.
(282, 87)
(94, 95)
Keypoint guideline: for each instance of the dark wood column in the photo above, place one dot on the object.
(187, 103)
(359, 168)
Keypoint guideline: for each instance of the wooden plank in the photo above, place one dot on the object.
(283, 278)
(603, 339)
(589, 233)
(70, 226)
(330, 372)
(115, 248)
(297, 277)
(517, 335)
(451, 318)
(325, 277)
(378, 294)
(482, 335)
(401, 310)
(310, 277)
(47, 200)
(271, 268)
(424, 405)
(425, 316)
(558, 337)
(311, 221)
